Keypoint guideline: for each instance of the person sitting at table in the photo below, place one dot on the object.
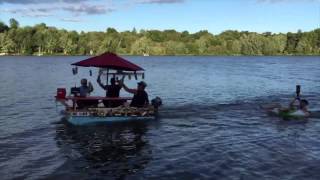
(140, 98)
(85, 90)
(112, 91)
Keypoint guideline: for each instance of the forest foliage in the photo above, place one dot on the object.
(45, 40)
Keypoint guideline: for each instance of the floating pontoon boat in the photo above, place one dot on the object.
(112, 66)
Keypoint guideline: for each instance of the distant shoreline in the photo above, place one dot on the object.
(43, 40)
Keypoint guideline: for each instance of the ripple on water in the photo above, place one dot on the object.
(210, 127)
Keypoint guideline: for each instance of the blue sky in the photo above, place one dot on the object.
(191, 15)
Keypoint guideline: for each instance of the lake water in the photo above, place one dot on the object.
(211, 125)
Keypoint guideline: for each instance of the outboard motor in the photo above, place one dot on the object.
(156, 102)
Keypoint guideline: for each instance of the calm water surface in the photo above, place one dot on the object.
(210, 127)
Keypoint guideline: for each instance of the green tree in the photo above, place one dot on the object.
(52, 40)
(175, 48)
(13, 41)
(252, 44)
(141, 46)
(14, 24)
(3, 27)
(274, 45)
(69, 41)
(292, 42)
(204, 43)
(6, 43)
(39, 37)
(156, 36)
(317, 41)
(49, 40)
(304, 47)
(2, 42)
(26, 40)
(94, 41)
(236, 47)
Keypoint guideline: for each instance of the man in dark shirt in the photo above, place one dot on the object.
(112, 91)
(140, 98)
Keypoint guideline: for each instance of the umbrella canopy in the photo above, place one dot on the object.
(109, 60)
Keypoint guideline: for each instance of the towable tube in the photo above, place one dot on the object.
(292, 114)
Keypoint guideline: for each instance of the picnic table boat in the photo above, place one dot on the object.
(114, 66)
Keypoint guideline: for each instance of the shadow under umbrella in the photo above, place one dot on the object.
(114, 150)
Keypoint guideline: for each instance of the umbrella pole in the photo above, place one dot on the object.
(107, 76)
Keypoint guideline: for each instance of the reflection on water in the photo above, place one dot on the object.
(114, 150)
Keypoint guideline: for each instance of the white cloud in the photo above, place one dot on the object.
(159, 1)
(71, 8)
(88, 9)
(287, 1)
(40, 1)
(41, 8)
(30, 12)
(71, 20)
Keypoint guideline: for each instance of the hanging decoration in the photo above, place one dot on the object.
(135, 76)
(75, 70)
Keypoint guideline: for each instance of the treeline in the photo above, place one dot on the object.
(41, 39)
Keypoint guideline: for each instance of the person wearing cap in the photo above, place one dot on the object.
(140, 98)
(112, 91)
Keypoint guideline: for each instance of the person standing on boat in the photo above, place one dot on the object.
(140, 98)
(112, 91)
